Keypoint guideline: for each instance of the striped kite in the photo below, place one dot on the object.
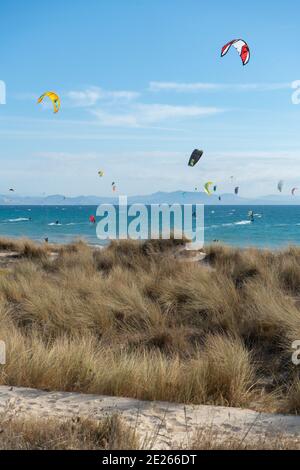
(241, 46)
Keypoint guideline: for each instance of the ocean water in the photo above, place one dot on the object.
(274, 226)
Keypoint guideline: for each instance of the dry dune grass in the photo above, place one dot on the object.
(25, 248)
(132, 320)
(25, 432)
(30, 433)
(112, 433)
(212, 440)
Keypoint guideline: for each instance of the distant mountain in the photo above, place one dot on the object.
(280, 199)
(179, 197)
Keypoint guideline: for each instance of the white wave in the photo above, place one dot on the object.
(243, 222)
(19, 219)
(53, 223)
(77, 223)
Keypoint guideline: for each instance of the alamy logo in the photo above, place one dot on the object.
(2, 92)
(296, 354)
(2, 353)
(296, 94)
(154, 221)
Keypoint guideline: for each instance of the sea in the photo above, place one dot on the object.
(273, 226)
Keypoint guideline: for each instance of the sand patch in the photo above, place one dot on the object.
(160, 425)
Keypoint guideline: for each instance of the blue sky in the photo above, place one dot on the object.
(142, 84)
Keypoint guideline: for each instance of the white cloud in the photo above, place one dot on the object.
(67, 156)
(280, 155)
(199, 86)
(115, 120)
(92, 95)
(181, 87)
(25, 96)
(148, 114)
(158, 112)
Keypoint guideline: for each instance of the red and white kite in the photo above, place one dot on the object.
(242, 48)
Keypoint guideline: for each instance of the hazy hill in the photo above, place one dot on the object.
(180, 197)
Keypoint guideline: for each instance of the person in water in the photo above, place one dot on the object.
(57, 222)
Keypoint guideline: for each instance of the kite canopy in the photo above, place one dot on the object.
(195, 157)
(280, 185)
(53, 97)
(207, 187)
(101, 173)
(236, 190)
(241, 46)
(294, 190)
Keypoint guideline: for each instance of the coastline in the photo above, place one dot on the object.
(230, 225)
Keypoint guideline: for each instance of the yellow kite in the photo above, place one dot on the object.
(53, 97)
(207, 187)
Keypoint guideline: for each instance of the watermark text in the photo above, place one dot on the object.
(154, 221)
